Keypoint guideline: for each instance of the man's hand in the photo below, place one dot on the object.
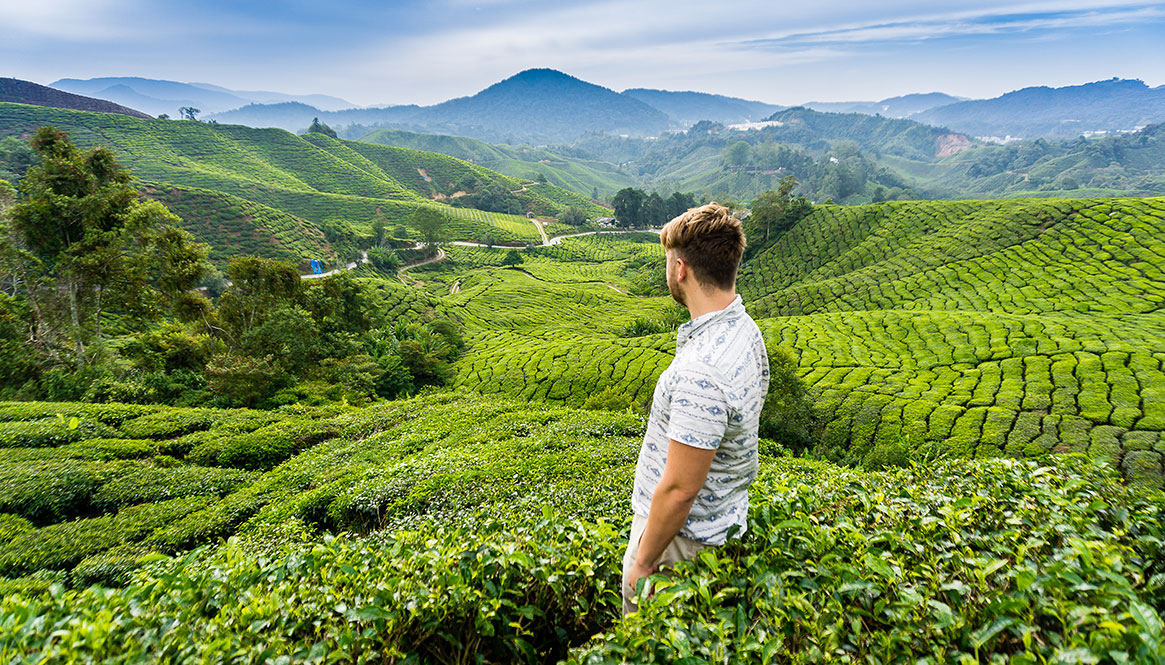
(639, 571)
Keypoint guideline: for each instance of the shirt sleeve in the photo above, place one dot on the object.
(699, 408)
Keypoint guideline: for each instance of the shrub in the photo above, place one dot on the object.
(788, 416)
(61, 546)
(12, 526)
(51, 432)
(263, 448)
(47, 491)
(958, 562)
(150, 484)
(517, 594)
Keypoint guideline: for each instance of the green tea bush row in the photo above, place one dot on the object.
(50, 432)
(262, 449)
(497, 593)
(961, 562)
(109, 414)
(63, 545)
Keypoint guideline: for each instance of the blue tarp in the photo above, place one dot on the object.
(316, 267)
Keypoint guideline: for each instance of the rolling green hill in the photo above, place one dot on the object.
(581, 176)
(312, 179)
(974, 328)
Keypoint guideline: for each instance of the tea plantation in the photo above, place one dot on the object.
(271, 192)
(982, 486)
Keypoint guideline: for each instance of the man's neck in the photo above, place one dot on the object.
(701, 302)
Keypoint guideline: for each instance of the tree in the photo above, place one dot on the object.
(81, 240)
(653, 211)
(512, 259)
(773, 213)
(679, 203)
(737, 154)
(573, 216)
(189, 113)
(320, 128)
(431, 225)
(627, 203)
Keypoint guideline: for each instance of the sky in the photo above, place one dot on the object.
(401, 52)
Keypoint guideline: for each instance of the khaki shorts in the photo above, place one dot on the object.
(679, 549)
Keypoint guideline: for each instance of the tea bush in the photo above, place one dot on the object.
(960, 562)
(497, 593)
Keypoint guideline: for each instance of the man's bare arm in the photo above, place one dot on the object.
(683, 478)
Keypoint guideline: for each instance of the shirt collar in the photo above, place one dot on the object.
(688, 330)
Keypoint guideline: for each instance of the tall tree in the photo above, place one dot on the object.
(774, 212)
(653, 211)
(81, 239)
(627, 203)
(431, 224)
(320, 128)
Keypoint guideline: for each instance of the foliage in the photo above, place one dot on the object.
(321, 128)
(80, 242)
(954, 563)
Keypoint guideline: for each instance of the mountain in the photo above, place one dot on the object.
(892, 107)
(296, 116)
(1101, 107)
(544, 105)
(535, 106)
(26, 92)
(160, 96)
(688, 108)
(322, 102)
(152, 96)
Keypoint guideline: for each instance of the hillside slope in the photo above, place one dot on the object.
(972, 329)
(314, 178)
(582, 176)
(15, 91)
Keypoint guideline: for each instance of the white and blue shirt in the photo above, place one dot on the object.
(709, 397)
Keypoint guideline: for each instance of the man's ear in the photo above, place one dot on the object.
(681, 269)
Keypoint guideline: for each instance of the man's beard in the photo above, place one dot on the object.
(677, 295)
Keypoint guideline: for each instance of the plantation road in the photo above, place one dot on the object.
(350, 266)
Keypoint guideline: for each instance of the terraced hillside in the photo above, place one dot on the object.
(312, 178)
(498, 530)
(582, 176)
(985, 328)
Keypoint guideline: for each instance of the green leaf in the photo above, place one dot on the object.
(370, 613)
(879, 566)
(981, 637)
(1146, 617)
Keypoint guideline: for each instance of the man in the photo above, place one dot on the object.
(699, 454)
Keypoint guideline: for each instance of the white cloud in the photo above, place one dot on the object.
(72, 20)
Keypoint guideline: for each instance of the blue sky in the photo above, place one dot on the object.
(426, 52)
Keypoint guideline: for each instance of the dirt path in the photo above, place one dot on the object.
(541, 231)
(400, 274)
(557, 240)
(455, 288)
(350, 266)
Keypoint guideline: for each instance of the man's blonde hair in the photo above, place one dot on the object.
(710, 240)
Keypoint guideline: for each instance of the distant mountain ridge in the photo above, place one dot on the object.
(26, 92)
(1102, 106)
(892, 107)
(157, 96)
(533, 106)
(688, 108)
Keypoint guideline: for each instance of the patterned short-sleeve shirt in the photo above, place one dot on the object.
(709, 397)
